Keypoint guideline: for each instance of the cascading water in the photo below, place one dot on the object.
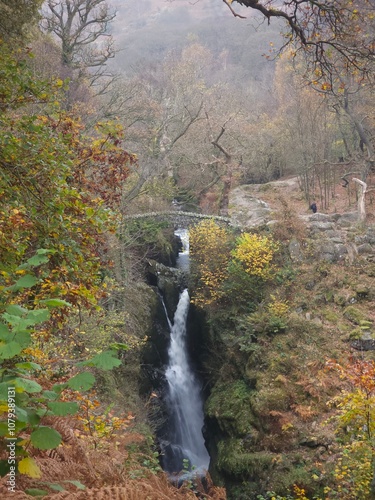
(186, 449)
(183, 261)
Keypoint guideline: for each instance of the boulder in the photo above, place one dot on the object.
(295, 251)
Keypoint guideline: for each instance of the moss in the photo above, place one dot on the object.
(265, 187)
(339, 299)
(355, 315)
(229, 404)
(364, 292)
(330, 315)
(235, 461)
(300, 327)
(364, 329)
(285, 477)
(356, 334)
(270, 398)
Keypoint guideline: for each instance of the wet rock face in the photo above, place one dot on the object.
(169, 281)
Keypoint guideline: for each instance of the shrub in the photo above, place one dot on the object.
(255, 253)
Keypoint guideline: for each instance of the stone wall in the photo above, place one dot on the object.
(336, 238)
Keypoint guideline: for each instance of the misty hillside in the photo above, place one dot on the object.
(147, 31)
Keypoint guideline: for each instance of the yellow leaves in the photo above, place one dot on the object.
(300, 493)
(29, 467)
(210, 253)
(255, 253)
(278, 307)
(3, 408)
(326, 86)
(210, 249)
(287, 427)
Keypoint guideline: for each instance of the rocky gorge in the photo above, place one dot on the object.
(267, 385)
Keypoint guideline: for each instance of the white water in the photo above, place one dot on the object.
(183, 262)
(184, 391)
(185, 402)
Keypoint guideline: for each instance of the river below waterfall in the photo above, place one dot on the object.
(184, 448)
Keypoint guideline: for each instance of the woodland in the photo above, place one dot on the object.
(87, 143)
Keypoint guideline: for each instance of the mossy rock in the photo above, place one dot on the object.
(355, 315)
(330, 315)
(270, 398)
(230, 404)
(286, 476)
(362, 332)
(363, 292)
(340, 299)
(265, 187)
(300, 326)
(237, 462)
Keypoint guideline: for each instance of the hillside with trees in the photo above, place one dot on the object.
(108, 111)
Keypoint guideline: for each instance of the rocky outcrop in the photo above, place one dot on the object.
(339, 237)
(246, 210)
(334, 237)
(169, 281)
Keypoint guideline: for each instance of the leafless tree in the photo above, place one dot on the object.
(82, 26)
(324, 30)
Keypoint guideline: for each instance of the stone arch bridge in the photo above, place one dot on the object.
(179, 218)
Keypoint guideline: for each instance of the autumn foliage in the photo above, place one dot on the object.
(355, 421)
(60, 189)
(209, 249)
(255, 253)
(60, 186)
(223, 264)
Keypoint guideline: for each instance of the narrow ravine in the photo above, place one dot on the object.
(186, 450)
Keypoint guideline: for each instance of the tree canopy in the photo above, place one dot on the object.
(328, 32)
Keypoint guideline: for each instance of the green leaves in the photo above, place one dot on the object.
(45, 438)
(14, 340)
(10, 350)
(26, 281)
(55, 303)
(21, 319)
(41, 257)
(63, 408)
(27, 385)
(81, 382)
(16, 310)
(106, 360)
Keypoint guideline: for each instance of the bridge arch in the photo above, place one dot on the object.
(181, 219)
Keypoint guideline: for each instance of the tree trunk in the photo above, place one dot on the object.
(361, 199)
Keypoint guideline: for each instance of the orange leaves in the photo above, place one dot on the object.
(99, 423)
(359, 373)
(103, 163)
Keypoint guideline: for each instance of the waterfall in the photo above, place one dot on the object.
(184, 402)
(183, 261)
